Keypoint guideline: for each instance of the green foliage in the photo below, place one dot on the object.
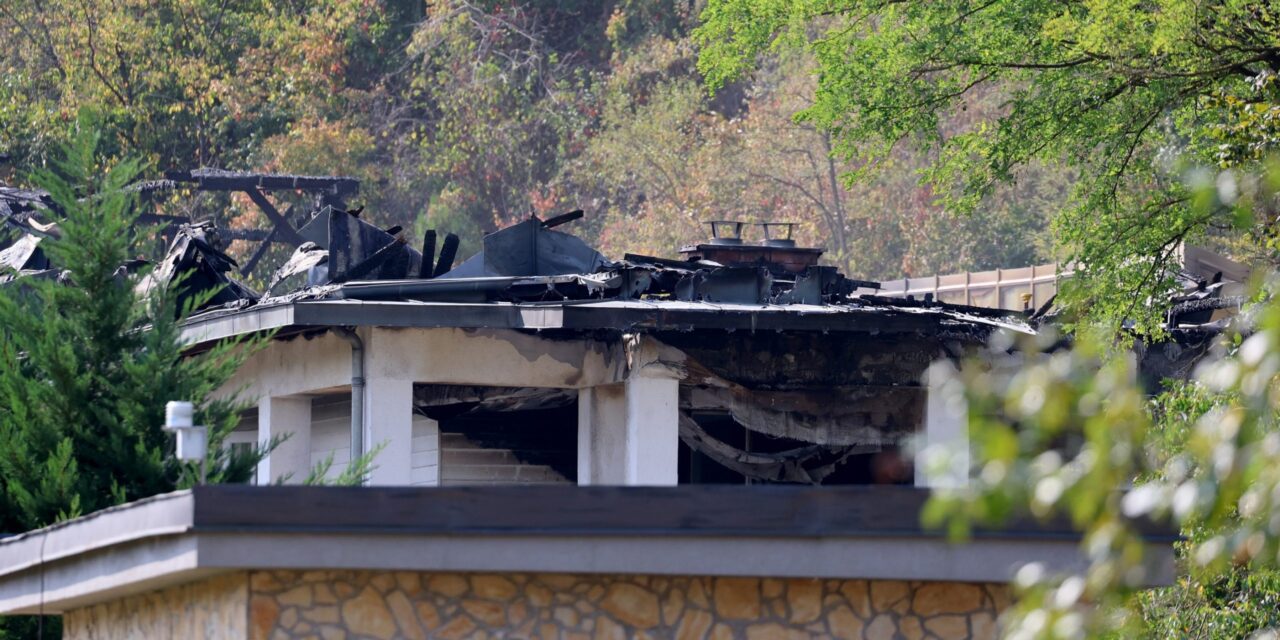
(83, 378)
(1055, 434)
(1236, 604)
(466, 115)
(1125, 94)
(352, 475)
(81, 385)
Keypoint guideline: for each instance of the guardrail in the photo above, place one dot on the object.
(1012, 289)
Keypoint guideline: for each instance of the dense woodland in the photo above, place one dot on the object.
(467, 115)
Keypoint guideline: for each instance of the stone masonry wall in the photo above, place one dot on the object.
(346, 604)
(213, 608)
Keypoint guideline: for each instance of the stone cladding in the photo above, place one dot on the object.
(385, 605)
(419, 606)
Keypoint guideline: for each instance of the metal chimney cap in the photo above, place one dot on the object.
(725, 231)
(778, 234)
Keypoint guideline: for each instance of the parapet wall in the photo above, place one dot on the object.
(264, 605)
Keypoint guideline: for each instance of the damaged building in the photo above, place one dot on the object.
(486, 384)
(539, 360)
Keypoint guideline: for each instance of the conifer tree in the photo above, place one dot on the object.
(87, 363)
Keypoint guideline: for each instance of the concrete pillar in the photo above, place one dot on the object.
(628, 433)
(388, 410)
(943, 454)
(281, 416)
(425, 469)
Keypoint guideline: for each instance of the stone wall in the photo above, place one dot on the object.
(336, 604)
(213, 608)
(327, 605)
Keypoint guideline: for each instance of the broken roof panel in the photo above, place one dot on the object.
(196, 256)
(24, 255)
(531, 248)
(529, 265)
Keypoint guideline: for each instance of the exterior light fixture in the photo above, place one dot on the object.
(192, 440)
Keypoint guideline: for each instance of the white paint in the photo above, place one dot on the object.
(395, 359)
(292, 367)
(628, 433)
(331, 432)
(653, 433)
(942, 459)
(288, 417)
(388, 424)
(492, 357)
(425, 457)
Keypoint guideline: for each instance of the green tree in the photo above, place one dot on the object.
(88, 363)
(1123, 94)
(1070, 433)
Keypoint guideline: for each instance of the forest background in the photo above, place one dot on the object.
(468, 115)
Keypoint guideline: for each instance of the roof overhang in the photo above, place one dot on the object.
(850, 532)
(628, 316)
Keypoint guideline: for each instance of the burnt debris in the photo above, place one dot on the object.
(338, 254)
(196, 264)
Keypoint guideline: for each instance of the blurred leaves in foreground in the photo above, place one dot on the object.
(1068, 432)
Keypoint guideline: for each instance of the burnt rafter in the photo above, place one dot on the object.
(331, 191)
(220, 180)
(282, 227)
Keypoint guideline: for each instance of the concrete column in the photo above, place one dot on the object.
(425, 469)
(628, 433)
(291, 460)
(943, 454)
(388, 410)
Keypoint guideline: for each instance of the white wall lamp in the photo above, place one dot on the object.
(192, 440)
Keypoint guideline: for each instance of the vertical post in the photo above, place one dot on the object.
(425, 470)
(653, 431)
(628, 433)
(288, 417)
(388, 423)
(943, 455)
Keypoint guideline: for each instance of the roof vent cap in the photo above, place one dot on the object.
(725, 231)
(778, 234)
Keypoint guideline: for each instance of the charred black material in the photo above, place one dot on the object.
(352, 242)
(196, 256)
(448, 252)
(428, 254)
(220, 180)
(529, 248)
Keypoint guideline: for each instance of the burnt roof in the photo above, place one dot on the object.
(527, 275)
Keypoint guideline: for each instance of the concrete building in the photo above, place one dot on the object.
(558, 365)
(262, 563)
(485, 390)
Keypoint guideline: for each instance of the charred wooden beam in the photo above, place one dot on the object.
(428, 254)
(448, 252)
(286, 230)
(219, 180)
(259, 252)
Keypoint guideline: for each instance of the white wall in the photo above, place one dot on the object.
(331, 431)
(331, 435)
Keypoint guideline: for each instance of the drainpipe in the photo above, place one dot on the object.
(357, 392)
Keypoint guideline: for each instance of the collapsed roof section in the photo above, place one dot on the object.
(196, 263)
(341, 256)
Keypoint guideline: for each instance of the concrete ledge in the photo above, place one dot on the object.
(853, 532)
(625, 315)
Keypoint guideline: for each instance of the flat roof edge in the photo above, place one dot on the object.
(591, 315)
(836, 532)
